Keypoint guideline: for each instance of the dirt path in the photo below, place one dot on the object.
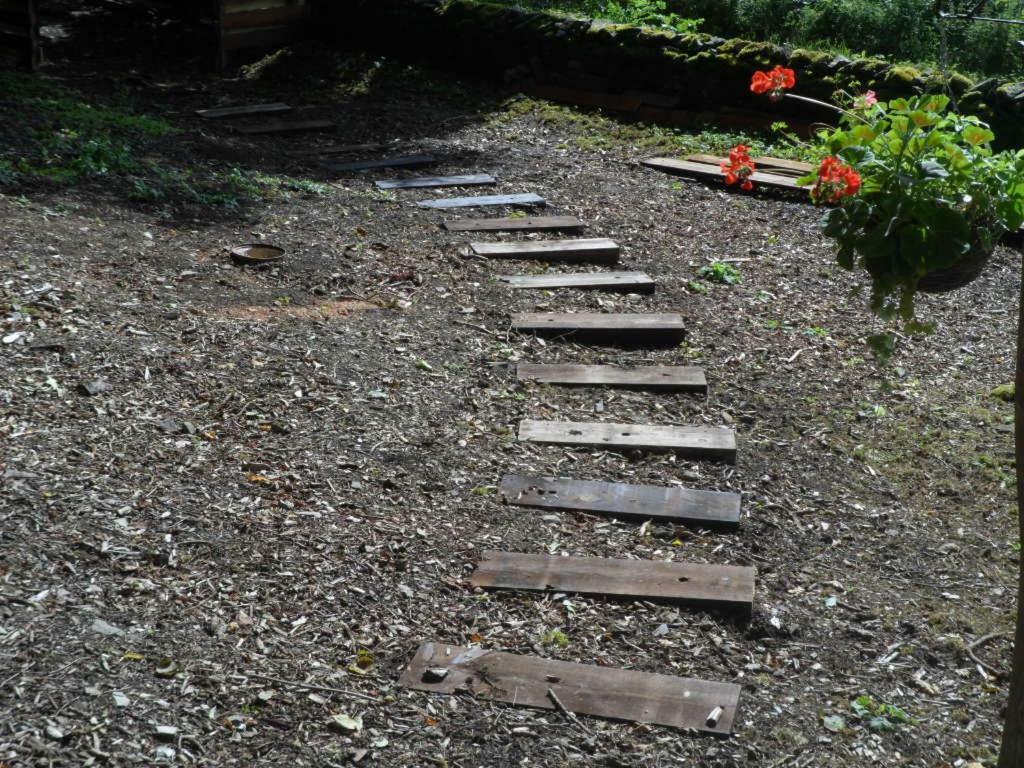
(285, 476)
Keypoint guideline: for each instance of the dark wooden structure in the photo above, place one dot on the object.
(242, 25)
(19, 34)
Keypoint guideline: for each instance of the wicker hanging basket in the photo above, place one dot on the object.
(964, 271)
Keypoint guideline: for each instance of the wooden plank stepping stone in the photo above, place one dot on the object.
(706, 172)
(216, 113)
(286, 126)
(598, 250)
(426, 182)
(628, 282)
(476, 202)
(658, 329)
(664, 378)
(706, 586)
(405, 161)
(531, 681)
(689, 442)
(709, 509)
(522, 224)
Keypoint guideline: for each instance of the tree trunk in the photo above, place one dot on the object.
(1012, 753)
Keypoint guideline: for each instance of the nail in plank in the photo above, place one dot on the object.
(405, 161)
(635, 329)
(709, 509)
(670, 378)
(522, 224)
(618, 694)
(706, 586)
(599, 250)
(474, 202)
(214, 113)
(691, 442)
(426, 182)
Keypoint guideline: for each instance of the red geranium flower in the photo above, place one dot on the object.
(774, 82)
(836, 180)
(739, 168)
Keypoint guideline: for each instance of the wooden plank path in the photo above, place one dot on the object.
(528, 199)
(598, 250)
(531, 681)
(709, 509)
(689, 442)
(245, 110)
(705, 586)
(629, 282)
(403, 161)
(286, 126)
(642, 329)
(655, 378)
(522, 224)
(706, 172)
(428, 182)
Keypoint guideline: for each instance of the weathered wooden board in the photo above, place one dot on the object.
(618, 694)
(710, 509)
(476, 202)
(707, 172)
(634, 329)
(286, 126)
(523, 224)
(405, 161)
(427, 182)
(707, 586)
(598, 250)
(629, 282)
(690, 442)
(664, 378)
(776, 165)
(246, 110)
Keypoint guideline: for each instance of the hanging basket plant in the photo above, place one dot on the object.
(918, 197)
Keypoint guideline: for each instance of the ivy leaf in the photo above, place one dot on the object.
(931, 169)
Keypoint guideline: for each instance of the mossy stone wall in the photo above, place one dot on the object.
(650, 70)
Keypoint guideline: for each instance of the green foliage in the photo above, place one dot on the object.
(934, 196)
(721, 272)
(647, 13)
(557, 638)
(878, 716)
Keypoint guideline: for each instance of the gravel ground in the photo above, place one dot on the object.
(235, 501)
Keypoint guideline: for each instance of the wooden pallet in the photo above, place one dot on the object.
(628, 282)
(707, 509)
(593, 250)
(619, 694)
(429, 182)
(689, 442)
(523, 224)
(776, 165)
(630, 329)
(705, 172)
(720, 587)
(527, 199)
(655, 378)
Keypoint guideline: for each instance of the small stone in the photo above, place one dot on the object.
(661, 631)
(95, 387)
(347, 724)
(55, 733)
(102, 627)
(166, 732)
(120, 700)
